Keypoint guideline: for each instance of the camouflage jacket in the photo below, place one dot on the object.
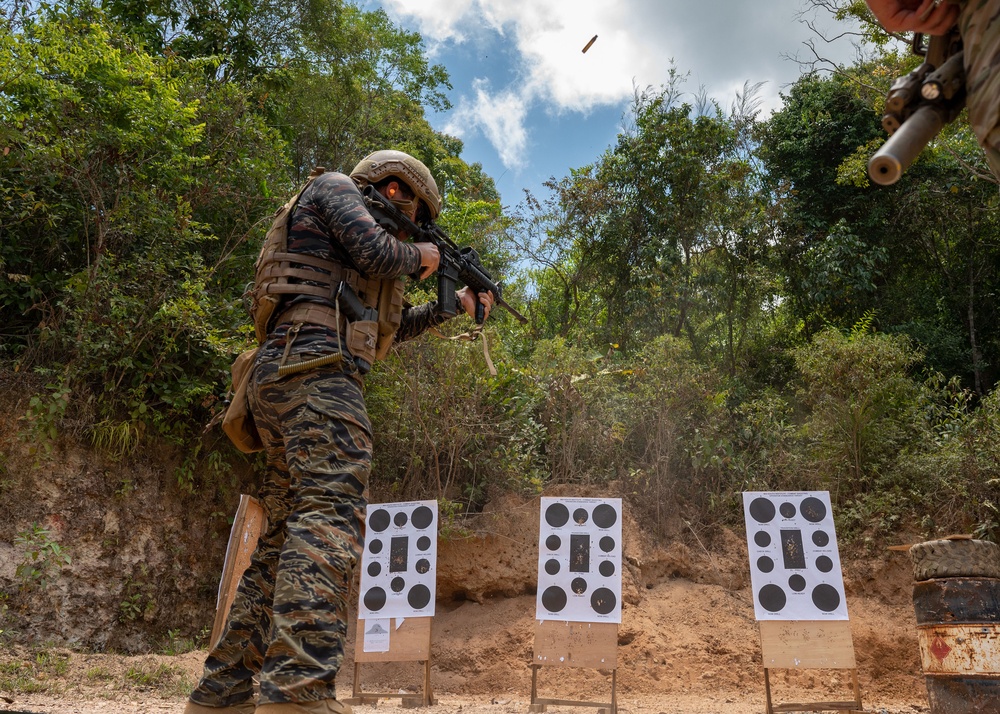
(332, 222)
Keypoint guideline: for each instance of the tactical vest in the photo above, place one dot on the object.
(277, 280)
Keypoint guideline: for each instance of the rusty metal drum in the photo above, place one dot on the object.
(958, 630)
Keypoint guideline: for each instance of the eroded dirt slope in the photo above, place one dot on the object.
(688, 640)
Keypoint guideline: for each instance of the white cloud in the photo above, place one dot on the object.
(548, 38)
(440, 20)
(501, 119)
(721, 43)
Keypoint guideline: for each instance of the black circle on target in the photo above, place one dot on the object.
(557, 515)
(606, 568)
(812, 509)
(824, 564)
(603, 601)
(762, 539)
(379, 520)
(375, 599)
(821, 539)
(423, 543)
(422, 566)
(375, 547)
(551, 566)
(422, 517)
(374, 569)
(765, 564)
(580, 516)
(826, 597)
(605, 516)
(397, 585)
(578, 586)
(400, 519)
(418, 597)
(772, 598)
(554, 598)
(797, 583)
(787, 510)
(553, 542)
(762, 510)
(606, 544)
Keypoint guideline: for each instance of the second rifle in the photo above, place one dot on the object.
(919, 104)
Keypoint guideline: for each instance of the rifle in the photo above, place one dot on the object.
(919, 104)
(457, 264)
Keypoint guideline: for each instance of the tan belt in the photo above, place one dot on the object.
(313, 314)
(310, 314)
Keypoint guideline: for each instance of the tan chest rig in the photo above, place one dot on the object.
(368, 336)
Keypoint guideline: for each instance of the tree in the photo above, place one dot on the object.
(917, 253)
(108, 273)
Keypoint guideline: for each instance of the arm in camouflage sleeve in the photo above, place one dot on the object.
(333, 206)
(419, 319)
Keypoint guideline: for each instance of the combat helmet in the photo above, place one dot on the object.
(387, 163)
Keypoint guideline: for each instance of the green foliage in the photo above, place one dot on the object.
(841, 269)
(138, 597)
(117, 439)
(671, 431)
(34, 673)
(917, 252)
(107, 145)
(583, 414)
(680, 286)
(956, 462)
(138, 168)
(448, 429)
(359, 85)
(861, 400)
(174, 643)
(145, 676)
(45, 414)
(42, 558)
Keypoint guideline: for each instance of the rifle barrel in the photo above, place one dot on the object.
(888, 163)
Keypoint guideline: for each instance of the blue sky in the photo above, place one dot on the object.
(528, 104)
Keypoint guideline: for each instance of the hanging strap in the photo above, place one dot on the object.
(471, 336)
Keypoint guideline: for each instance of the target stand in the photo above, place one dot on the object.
(410, 642)
(575, 644)
(808, 644)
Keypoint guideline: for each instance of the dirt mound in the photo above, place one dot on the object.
(688, 625)
(683, 647)
(146, 557)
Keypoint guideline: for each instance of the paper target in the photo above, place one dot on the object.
(399, 564)
(579, 560)
(794, 561)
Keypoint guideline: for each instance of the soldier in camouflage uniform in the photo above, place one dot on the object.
(289, 618)
(979, 23)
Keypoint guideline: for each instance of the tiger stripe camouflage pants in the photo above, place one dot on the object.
(289, 618)
(979, 24)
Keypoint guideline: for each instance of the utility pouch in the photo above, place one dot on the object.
(238, 422)
(362, 337)
(390, 315)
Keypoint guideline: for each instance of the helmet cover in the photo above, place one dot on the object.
(389, 163)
